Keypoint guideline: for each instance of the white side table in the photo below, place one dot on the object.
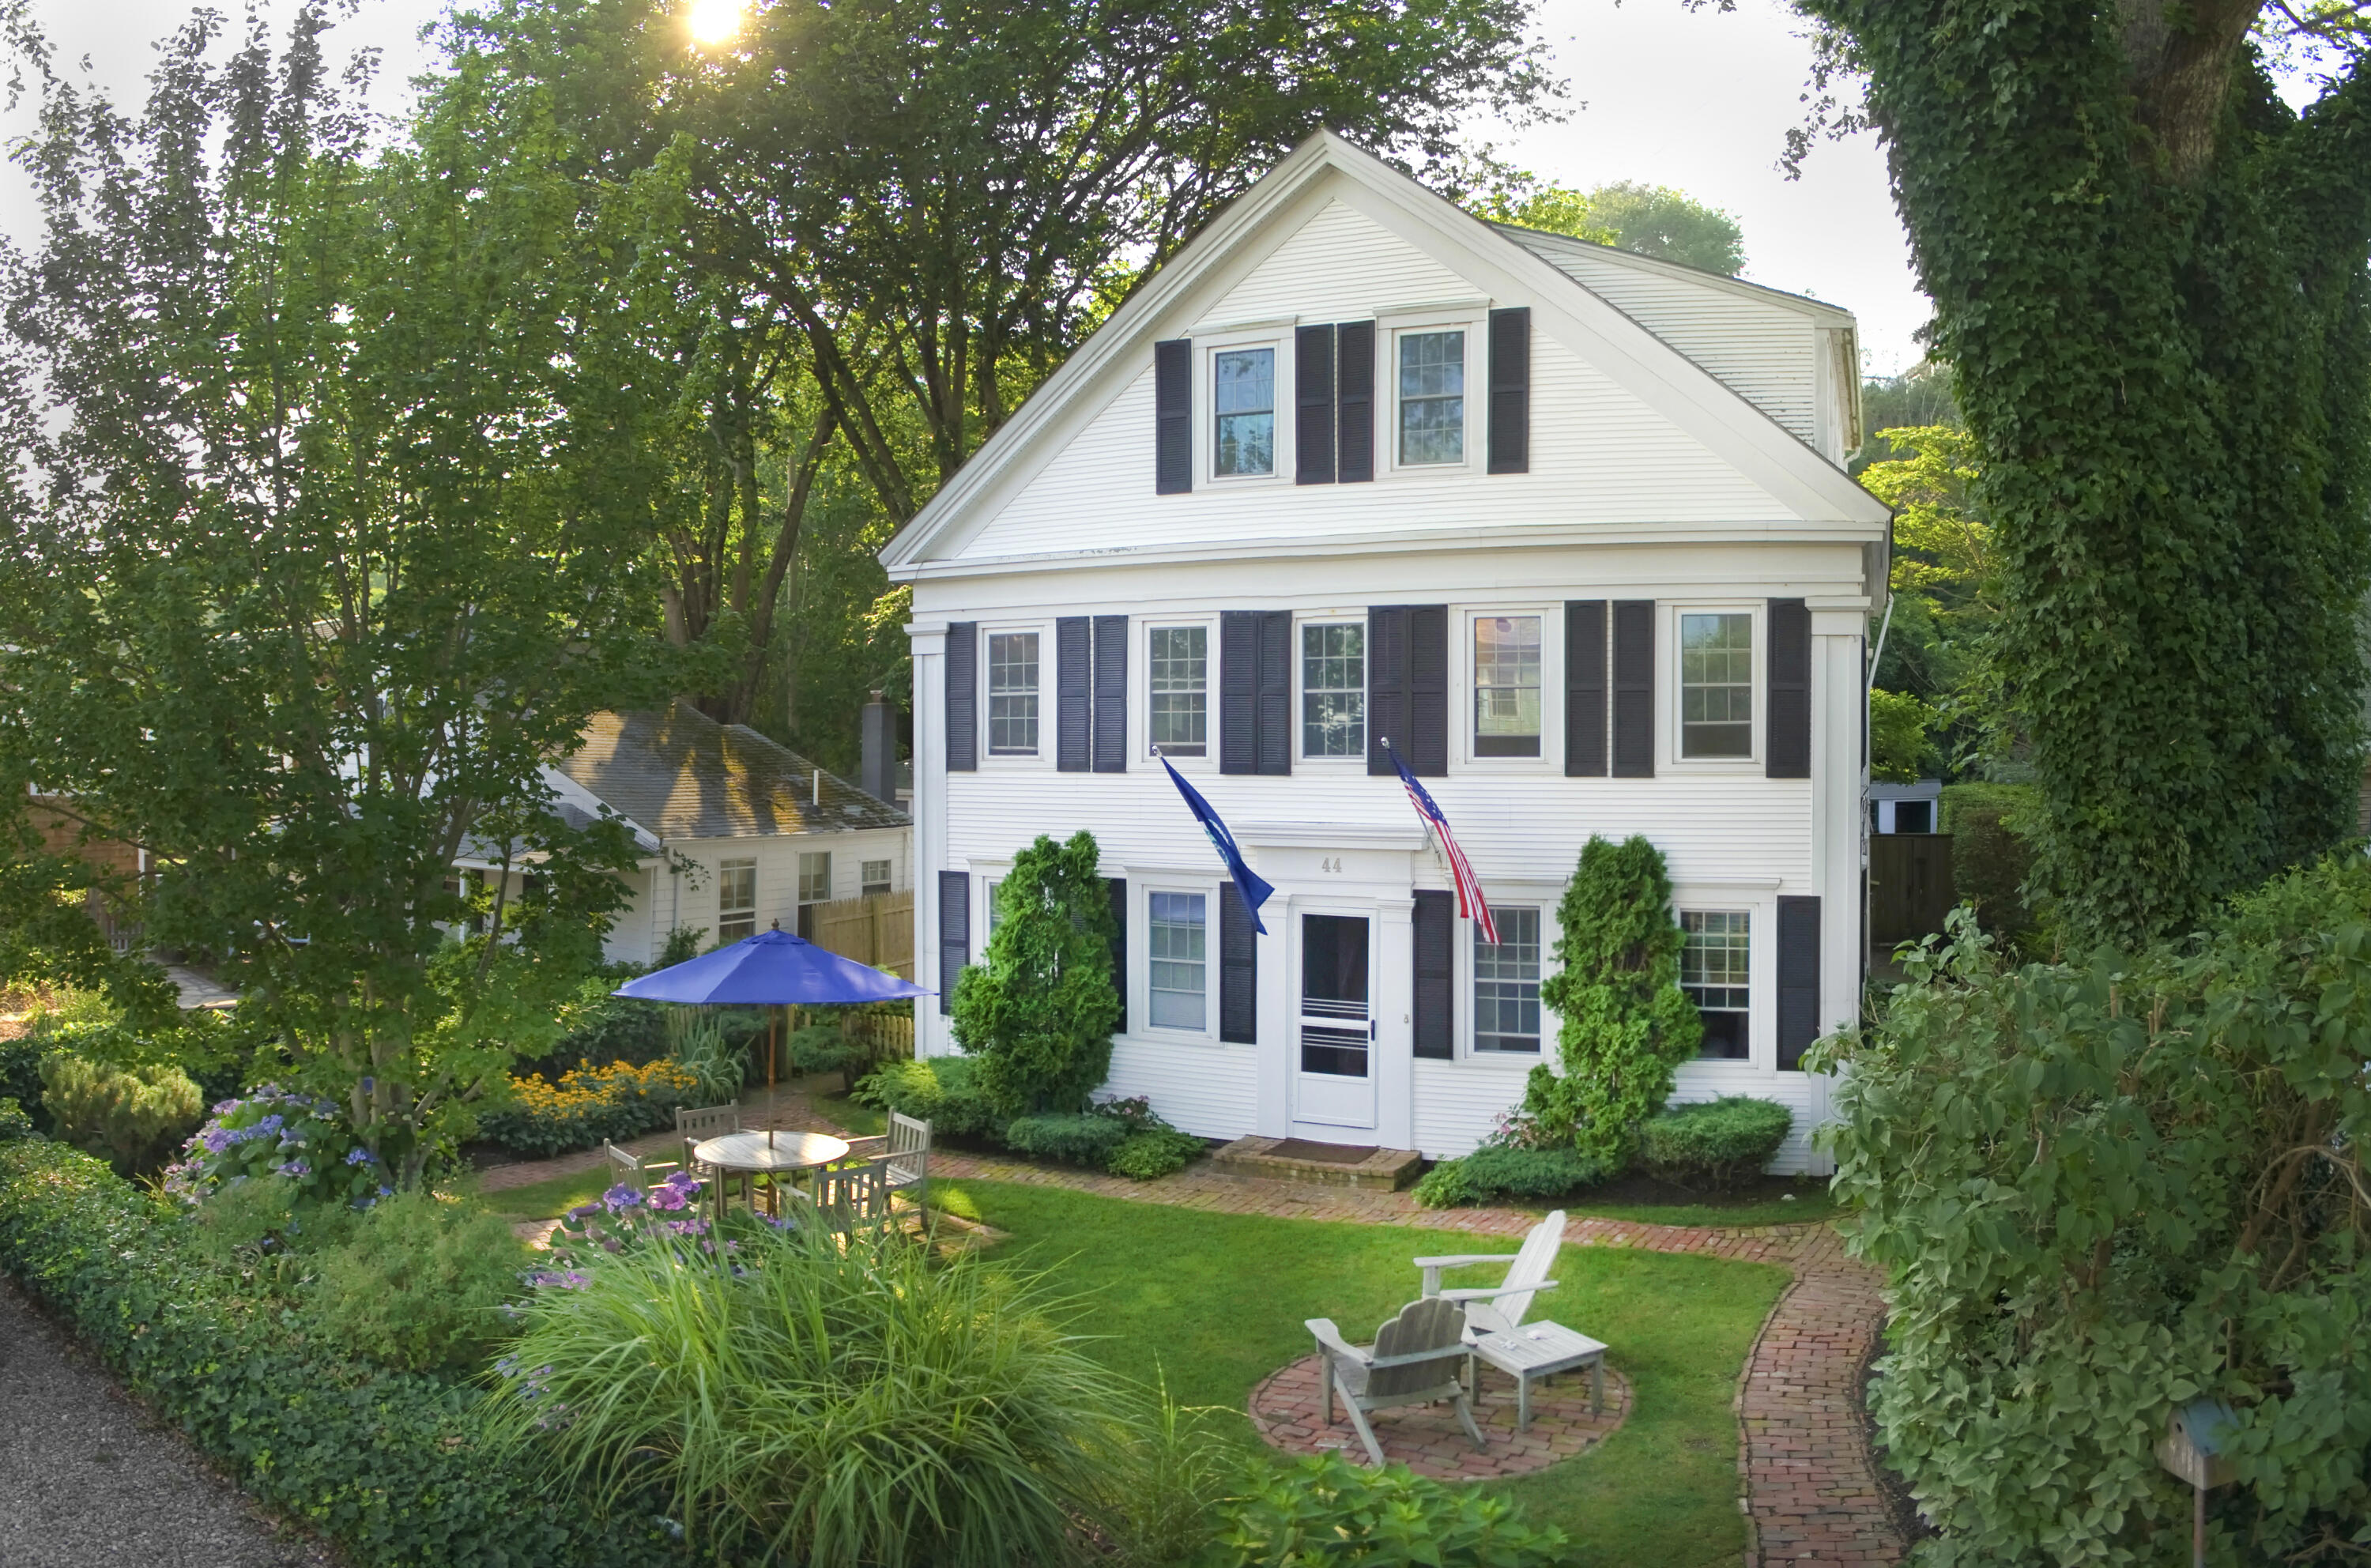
(1542, 1350)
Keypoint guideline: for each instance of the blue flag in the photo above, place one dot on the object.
(1248, 887)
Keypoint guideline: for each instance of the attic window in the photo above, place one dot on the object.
(1243, 388)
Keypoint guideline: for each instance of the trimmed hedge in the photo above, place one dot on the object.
(390, 1465)
(1498, 1170)
(1076, 1138)
(1713, 1145)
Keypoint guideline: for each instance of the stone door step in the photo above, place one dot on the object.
(1328, 1165)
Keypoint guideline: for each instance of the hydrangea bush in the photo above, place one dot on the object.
(274, 1132)
(624, 1219)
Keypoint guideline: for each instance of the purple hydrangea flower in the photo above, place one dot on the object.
(620, 1198)
(296, 1167)
(358, 1156)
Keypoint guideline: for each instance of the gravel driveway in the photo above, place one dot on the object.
(88, 1480)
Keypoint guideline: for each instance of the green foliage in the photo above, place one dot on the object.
(828, 1404)
(2174, 448)
(219, 1050)
(20, 1075)
(540, 1118)
(1510, 1170)
(390, 1465)
(1153, 1152)
(14, 1121)
(1918, 398)
(130, 1116)
(698, 1047)
(1716, 1145)
(1325, 1511)
(2102, 1189)
(417, 1282)
(1036, 1017)
(1898, 725)
(1627, 1026)
(1653, 220)
(1991, 853)
(1074, 1137)
(284, 1139)
(598, 1027)
(942, 1090)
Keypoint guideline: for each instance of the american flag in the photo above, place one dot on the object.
(1470, 902)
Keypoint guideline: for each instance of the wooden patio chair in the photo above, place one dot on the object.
(903, 1152)
(1497, 1308)
(706, 1122)
(845, 1199)
(1414, 1360)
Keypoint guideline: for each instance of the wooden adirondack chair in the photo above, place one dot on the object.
(1498, 1308)
(1414, 1360)
(905, 1153)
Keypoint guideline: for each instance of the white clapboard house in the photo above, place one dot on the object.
(1569, 527)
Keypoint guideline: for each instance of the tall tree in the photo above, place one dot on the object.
(2149, 278)
(331, 538)
(1653, 220)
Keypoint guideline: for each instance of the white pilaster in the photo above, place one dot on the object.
(1393, 1057)
(928, 641)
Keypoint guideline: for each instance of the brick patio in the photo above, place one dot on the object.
(1428, 1440)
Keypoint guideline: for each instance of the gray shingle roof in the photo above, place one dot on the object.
(683, 775)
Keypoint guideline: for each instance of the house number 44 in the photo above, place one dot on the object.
(1332, 865)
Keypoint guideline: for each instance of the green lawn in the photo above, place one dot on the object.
(1219, 1300)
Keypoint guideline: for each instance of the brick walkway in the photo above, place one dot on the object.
(1812, 1492)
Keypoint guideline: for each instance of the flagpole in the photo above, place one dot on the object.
(1431, 839)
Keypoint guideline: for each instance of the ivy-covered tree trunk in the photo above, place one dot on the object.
(2150, 275)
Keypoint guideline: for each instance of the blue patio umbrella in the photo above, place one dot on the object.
(771, 969)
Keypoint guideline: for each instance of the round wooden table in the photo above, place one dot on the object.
(764, 1154)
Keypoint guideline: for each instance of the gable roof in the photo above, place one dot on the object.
(682, 774)
(1548, 242)
(1686, 394)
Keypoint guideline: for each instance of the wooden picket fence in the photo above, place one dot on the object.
(877, 929)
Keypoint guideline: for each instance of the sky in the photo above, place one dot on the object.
(1701, 100)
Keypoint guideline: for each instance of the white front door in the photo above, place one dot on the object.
(1335, 1084)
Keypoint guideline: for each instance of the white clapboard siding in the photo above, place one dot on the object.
(1764, 350)
(1458, 1104)
(1209, 1090)
(1340, 266)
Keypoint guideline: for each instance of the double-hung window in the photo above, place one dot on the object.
(1179, 959)
(1333, 689)
(1506, 983)
(1179, 659)
(815, 889)
(1012, 694)
(1507, 686)
(1432, 397)
(1716, 685)
(1243, 387)
(736, 900)
(875, 879)
(1715, 971)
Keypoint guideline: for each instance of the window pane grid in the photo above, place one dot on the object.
(814, 879)
(1180, 660)
(1507, 686)
(1716, 685)
(1012, 693)
(1179, 965)
(1506, 984)
(1715, 972)
(1432, 397)
(875, 876)
(1244, 398)
(1334, 691)
(736, 899)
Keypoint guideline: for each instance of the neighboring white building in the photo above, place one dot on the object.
(1571, 526)
(741, 833)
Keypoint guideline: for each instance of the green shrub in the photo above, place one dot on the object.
(1716, 1145)
(418, 1281)
(391, 1466)
(1079, 1138)
(600, 1026)
(14, 1123)
(1496, 1170)
(1037, 1013)
(2100, 1189)
(1155, 1152)
(619, 1101)
(20, 1076)
(131, 1117)
(297, 1140)
(831, 1406)
(1991, 857)
(1325, 1512)
(1627, 1026)
(941, 1091)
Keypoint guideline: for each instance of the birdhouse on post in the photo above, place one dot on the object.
(2192, 1449)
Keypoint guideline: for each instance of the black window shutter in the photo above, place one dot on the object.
(1312, 429)
(954, 933)
(1633, 688)
(1355, 401)
(1387, 686)
(1172, 416)
(1074, 692)
(1238, 970)
(1511, 390)
(1584, 688)
(1788, 689)
(1798, 978)
(963, 696)
(1111, 694)
(1274, 727)
(1239, 691)
(1427, 689)
(1435, 923)
(1118, 886)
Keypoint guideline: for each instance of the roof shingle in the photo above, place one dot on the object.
(683, 775)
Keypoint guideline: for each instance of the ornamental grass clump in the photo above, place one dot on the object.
(840, 1405)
